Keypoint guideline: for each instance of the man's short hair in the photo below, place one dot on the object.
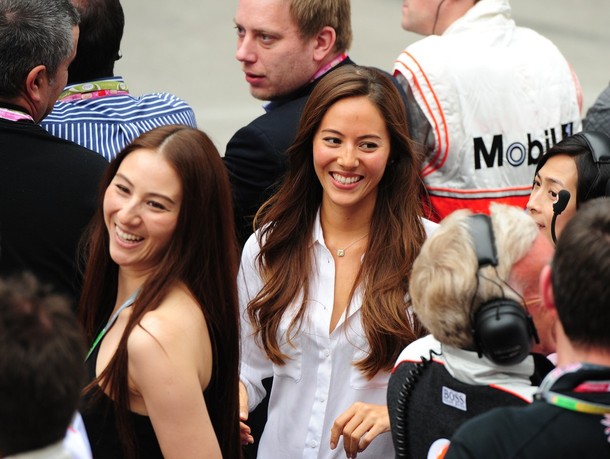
(311, 16)
(581, 275)
(42, 356)
(445, 287)
(33, 32)
(99, 43)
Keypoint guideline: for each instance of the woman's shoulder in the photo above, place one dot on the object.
(252, 245)
(176, 321)
(169, 350)
(251, 251)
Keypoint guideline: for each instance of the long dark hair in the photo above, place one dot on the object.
(202, 254)
(396, 234)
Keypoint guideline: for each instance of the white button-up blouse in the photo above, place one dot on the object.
(319, 381)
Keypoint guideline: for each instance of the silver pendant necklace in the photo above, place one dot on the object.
(341, 252)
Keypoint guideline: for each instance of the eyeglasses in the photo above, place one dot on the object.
(533, 301)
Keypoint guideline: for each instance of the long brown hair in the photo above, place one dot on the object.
(202, 254)
(286, 221)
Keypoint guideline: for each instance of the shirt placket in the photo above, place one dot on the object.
(324, 295)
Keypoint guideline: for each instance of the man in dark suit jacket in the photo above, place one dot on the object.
(285, 48)
(48, 186)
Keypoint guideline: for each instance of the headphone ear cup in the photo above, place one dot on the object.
(503, 331)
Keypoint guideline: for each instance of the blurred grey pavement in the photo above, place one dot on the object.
(187, 47)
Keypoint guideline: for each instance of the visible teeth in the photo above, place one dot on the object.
(127, 236)
(345, 180)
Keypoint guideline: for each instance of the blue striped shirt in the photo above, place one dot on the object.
(107, 124)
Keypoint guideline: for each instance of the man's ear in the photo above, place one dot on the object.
(36, 84)
(546, 290)
(324, 43)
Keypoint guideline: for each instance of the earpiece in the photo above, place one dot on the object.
(436, 16)
(599, 145)
(504, 331)
(502, 328)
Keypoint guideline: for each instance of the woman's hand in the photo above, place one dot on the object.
(359, 425)
(244, 430)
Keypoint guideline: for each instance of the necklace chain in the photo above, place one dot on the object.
(341, 252)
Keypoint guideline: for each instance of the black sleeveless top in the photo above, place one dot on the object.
(100, 421)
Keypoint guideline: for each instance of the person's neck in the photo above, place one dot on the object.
(450, 12)
(21, 104)
(568, 353)
(331, 61)
(73, 81)
(341, 225)
(330, 58)
(129, 281)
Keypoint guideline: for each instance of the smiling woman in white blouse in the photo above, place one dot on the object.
(323, 282)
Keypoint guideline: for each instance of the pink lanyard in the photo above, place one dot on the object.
(14, 115)
(337, 60)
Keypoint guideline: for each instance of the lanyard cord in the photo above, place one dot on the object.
(93, 90)
(111, 322)
(576, 378)
(14, 115)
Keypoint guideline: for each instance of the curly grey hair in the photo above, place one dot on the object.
(447, 287)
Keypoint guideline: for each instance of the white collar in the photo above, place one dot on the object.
(317, 234)
(467, 367)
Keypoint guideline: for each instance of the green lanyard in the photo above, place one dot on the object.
(93, 90)
(111, 322)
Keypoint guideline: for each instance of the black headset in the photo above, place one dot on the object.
(599, 146)
(502, 328)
